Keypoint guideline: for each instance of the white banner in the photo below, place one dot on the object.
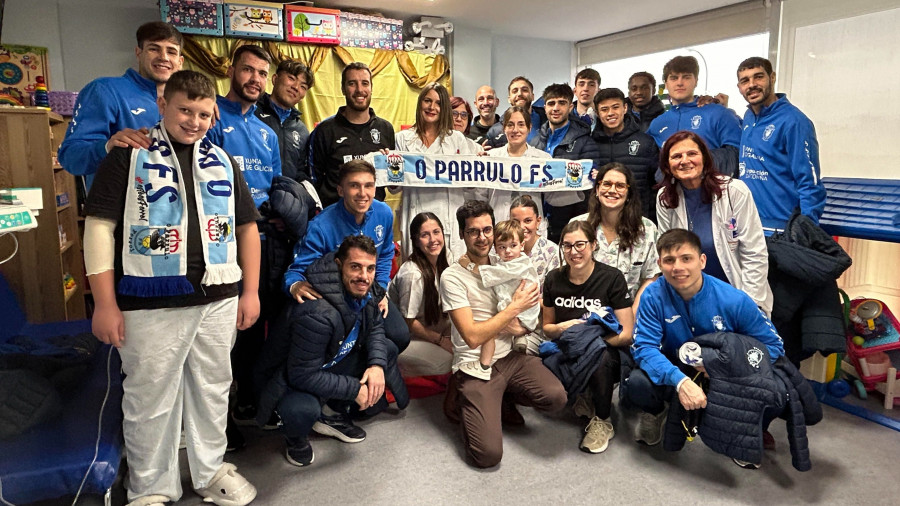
(471, 171)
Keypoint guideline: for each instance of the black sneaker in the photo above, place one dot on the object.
(245, 416)
(339, 427)
(299, 452)
(235, 438)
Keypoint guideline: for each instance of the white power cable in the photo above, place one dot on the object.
(99, 426)
(7, 259)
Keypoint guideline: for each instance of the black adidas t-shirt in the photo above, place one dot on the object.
(605, 287)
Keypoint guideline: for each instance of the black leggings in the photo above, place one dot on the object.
(603, 381)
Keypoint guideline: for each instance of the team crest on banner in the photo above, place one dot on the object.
(695, 121)
(574, 174)
(767, 133)
(376, 135)
(395, 167)
(633, 147)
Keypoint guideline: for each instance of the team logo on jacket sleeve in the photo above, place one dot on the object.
(767, 133)
(395, 168)
(376, 135)
(633, 147)
(695, 121)
(755, 357)
(265, 138)
(574, 174)
(379, 232)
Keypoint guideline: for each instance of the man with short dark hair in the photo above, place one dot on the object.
(564, 139)
(779, 150)
(474, 321)
(642, 101)
(255, 147)
(587, 83)
(719, 127)
(119, 111)
(683, 304)
(352, 133)
(521, 93)
(278, 110)
(335, 350)
(486, 103)
(620, 139)
(356, 213)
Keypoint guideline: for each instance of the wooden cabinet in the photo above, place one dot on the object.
(50, 253)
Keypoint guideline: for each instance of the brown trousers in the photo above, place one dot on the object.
(528, 382)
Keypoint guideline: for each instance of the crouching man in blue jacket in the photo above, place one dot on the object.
(334, 350)
(683, 304)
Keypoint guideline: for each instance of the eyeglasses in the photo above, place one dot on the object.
(606, 185)
(578, 246)
(461, 114)
(475, 232)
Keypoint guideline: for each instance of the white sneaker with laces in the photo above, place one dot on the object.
(598, 434)
(228, 488)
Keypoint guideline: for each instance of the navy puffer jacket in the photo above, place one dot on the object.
(635, 149)
(743, 384)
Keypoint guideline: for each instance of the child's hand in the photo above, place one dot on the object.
(108, 325)
(248, 310)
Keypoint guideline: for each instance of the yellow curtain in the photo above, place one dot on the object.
(397, 76)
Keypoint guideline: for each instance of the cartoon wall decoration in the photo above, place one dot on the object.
(193, 16)
(372, 32)
(432, 32)
(312, 25)
(19, 68)
(256, 20)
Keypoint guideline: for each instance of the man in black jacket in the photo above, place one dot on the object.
(334, 349)
(352, 133)
(643, 102)
(279, 111)
(521, 93)
(620, 139)
(567, 139)
(486, 103)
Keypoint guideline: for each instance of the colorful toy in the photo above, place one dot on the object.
(873, 362)
(41, 99)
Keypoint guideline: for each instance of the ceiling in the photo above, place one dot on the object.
(568, 20)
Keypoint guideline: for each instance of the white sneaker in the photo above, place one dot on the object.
(149, 500)
(649, 428)
(473, 368)
(228, 488)
(745, 465)
(599, 432)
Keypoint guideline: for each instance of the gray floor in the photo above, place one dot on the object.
(416, 458)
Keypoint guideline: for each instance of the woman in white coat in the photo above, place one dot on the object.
(720, 210)
(433, 133)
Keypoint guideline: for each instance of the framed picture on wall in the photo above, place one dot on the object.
(202, 17)
(253, 20)
(312, 25)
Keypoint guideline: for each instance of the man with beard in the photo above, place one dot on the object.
(119, 111)
(255, 147)
(486, 103)
(567, 139)
(244, 136)
(521, 93)
(642, 101)
(779, 151)
(474, 321)
(353, 132)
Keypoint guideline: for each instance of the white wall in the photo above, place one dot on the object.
(86, 39)
(544, 62)
(480, 57)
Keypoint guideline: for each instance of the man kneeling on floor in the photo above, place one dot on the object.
(331, 352)
(683, 304)
(475, 321)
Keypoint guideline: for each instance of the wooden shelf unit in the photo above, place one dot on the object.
(29, 138)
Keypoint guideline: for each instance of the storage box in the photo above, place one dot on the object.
(253, 20)
(193, 16)
(19, 66)
(312, 25)
(360, 30)
(63, 102)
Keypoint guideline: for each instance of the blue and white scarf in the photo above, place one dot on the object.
(154, 253)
